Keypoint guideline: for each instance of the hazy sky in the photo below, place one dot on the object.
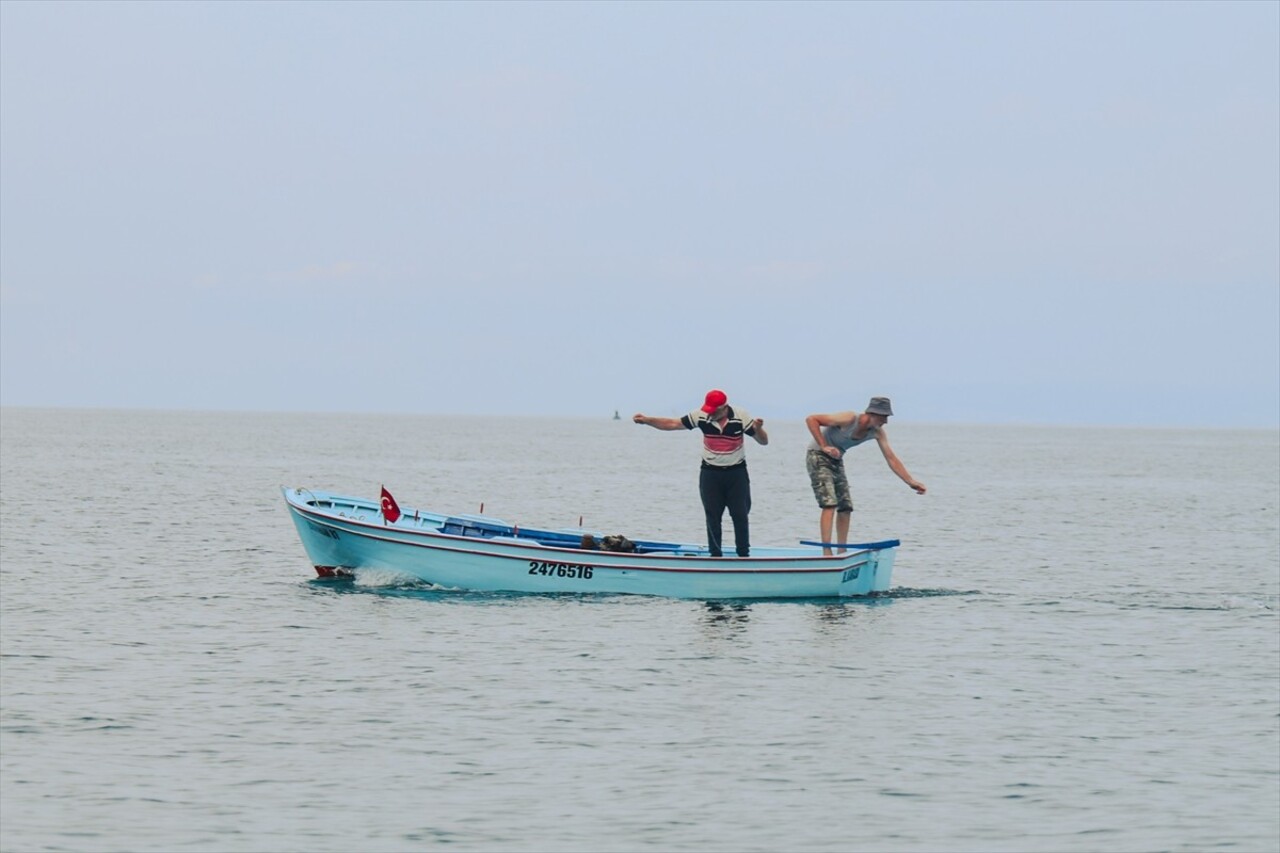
(992, 212)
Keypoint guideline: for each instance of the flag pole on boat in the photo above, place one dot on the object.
(390, 509)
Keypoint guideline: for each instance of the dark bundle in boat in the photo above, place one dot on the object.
(615, 542)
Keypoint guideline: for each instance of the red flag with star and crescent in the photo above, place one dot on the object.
(390, 509)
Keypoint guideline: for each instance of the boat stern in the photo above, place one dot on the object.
(873, 574)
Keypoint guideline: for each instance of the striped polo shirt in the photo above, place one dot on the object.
(721, 446)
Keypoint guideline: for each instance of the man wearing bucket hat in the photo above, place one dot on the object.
(833, 435)
(723, 482)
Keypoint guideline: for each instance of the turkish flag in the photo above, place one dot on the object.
(390, 509)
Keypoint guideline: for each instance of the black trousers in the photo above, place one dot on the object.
(721, 489)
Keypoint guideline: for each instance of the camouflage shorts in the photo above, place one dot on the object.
(830, 485)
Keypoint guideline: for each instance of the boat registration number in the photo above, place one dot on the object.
(851, 574)
(560, 570)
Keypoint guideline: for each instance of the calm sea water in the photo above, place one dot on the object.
(1082, 651)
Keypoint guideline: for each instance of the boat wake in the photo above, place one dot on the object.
(906, 592)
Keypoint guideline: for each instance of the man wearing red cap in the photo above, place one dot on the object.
(723, 482)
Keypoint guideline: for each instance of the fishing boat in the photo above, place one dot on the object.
(345, 535)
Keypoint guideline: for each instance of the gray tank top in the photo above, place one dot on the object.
(842, 437)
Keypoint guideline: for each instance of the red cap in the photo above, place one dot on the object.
(715, 399)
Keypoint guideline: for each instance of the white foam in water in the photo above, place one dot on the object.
(384, 578)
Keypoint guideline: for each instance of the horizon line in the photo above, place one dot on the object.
(608, 417)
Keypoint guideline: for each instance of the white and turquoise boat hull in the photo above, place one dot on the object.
(344, 536)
